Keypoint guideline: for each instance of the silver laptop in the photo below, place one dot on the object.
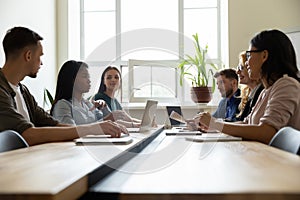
(147, 119)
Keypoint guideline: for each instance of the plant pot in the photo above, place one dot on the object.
(201, 94)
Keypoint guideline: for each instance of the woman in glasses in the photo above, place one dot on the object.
(271, 57)
(250, 92)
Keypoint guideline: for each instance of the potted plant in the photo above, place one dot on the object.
(204, 72)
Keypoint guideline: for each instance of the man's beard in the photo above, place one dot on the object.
(33, 75)
(229, 92)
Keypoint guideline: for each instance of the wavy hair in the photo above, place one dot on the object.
(245, 91)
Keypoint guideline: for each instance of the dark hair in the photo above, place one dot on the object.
(228, 73)
(102, 87)
(17, 38)
(281, 55)
(65, 80)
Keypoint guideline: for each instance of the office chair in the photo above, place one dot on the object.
(287, 139)
(10, 140)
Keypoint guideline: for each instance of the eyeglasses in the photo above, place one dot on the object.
(248, 53)
(240, 67)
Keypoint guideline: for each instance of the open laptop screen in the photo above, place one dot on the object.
(176, 109)
(148, 116)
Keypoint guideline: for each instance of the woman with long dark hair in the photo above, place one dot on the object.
(271, 57)
(69, 106)
(109, 85)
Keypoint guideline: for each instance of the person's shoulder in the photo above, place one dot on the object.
(119, 106)
(285, 86)
(222, 101)
(61, 105)
(4, 86)
(287, 81)
(100, 95)
(2, 77)
(63, 102)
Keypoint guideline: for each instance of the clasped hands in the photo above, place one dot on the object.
(99, 104)
(200, 122)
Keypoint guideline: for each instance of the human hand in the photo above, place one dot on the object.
(192, 124)
(113, 129)
(100, 104)
(204, 119)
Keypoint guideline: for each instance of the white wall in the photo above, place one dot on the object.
(68, 26)
(40, 16)
(249, 17)
(294, 35)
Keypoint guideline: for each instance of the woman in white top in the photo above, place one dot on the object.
(271, 57)
(70, 107)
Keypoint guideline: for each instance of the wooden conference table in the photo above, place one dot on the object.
(170, 167)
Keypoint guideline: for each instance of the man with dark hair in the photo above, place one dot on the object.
(19, 110)
(227, 81)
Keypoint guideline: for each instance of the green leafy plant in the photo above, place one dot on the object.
(48, 98)
(198, 63)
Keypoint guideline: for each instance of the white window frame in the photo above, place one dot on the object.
(152, 63)
(118, 62)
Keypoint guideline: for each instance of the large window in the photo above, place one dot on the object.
(145, 39)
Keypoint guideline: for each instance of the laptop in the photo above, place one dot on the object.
(177, 109)
(147, 119)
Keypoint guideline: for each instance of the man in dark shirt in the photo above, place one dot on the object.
(19, 110)
(227, 81)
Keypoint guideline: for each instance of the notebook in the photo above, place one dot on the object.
(213, 137)
(181, 131)
(147, 119)
(103, 139)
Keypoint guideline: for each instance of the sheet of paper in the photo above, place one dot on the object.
(174, 115)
